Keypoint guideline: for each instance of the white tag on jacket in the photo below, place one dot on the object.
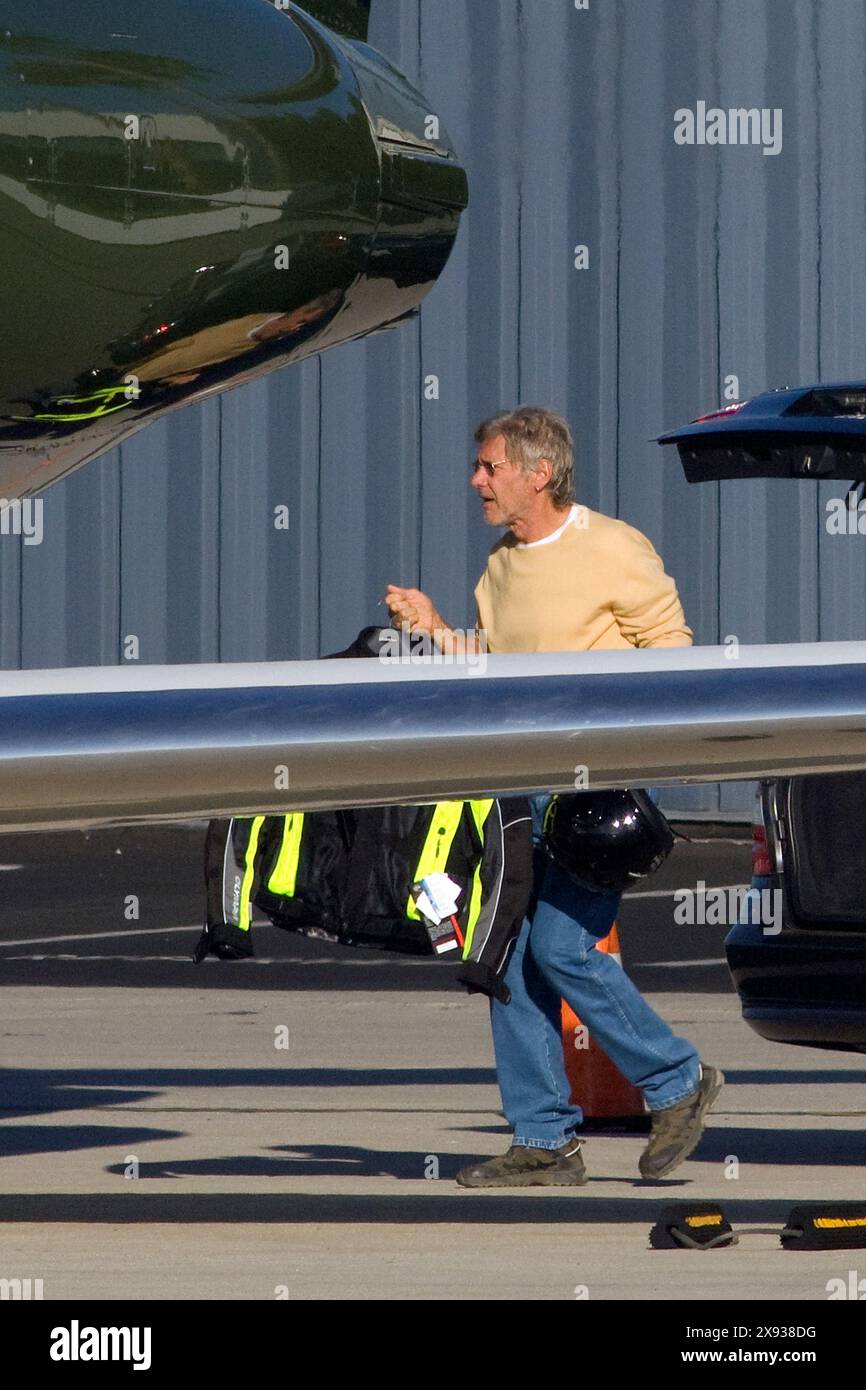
(438, 897)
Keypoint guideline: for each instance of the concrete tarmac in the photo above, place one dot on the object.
(243, 1143)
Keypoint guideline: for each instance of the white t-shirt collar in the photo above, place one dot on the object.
(554, 535)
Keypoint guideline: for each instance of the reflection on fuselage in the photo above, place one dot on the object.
(201, 205)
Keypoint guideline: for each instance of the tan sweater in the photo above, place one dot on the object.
(596, 583)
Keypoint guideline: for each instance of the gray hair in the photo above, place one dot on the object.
(532, 433)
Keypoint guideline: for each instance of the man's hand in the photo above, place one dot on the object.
(415, 609)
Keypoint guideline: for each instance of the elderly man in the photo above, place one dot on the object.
(564, 578)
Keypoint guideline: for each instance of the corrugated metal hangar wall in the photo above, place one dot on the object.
(704, 263)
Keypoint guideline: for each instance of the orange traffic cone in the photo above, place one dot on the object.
(597, 1086)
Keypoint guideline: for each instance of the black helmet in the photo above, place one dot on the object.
(606, 840)
(376, 641)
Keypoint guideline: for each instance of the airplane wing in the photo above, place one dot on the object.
(120, 744)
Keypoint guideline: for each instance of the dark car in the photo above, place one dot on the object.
(798, 952)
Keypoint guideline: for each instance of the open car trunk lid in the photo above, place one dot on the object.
(798, 432)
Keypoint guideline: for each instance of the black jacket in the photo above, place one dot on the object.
(348, 876)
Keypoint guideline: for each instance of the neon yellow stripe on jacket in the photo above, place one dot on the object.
(285, 872)
(244, 910)
(437, 846)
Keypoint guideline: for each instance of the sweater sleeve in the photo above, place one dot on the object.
(646, 604)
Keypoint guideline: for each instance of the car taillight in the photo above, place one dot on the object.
(761, 865)
(719, 414)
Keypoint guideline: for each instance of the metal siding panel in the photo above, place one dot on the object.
(293, 556)
(457, 317)
(145, 595)
(648, 494)
(791, 305)
(548, 349)
(170, 520)
(11, 548)
(680, 256)
(94, 601)
(44, 590)
(689, 327)
(266, 590)
(395, 31)
(396, 498)
(245, 522)
(192, 570)
(842, 121)
(69, 611)
(597, 303)
(348, 597)
(641, 284)
(745, 173)
(686, 518)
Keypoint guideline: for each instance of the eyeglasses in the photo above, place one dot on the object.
(489, 468)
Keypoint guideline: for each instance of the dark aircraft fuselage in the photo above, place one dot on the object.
(192, 194)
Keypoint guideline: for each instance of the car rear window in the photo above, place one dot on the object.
(826, 852)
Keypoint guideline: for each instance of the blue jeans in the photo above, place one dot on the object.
(554, 958)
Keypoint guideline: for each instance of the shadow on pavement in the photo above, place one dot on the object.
(805, 1148)
(539, 1206)
(802, 1076)
(313, 1160)
(30, 1091)
(36, 1139)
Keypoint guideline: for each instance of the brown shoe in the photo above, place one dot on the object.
(677, 1130)
(525, 1167)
